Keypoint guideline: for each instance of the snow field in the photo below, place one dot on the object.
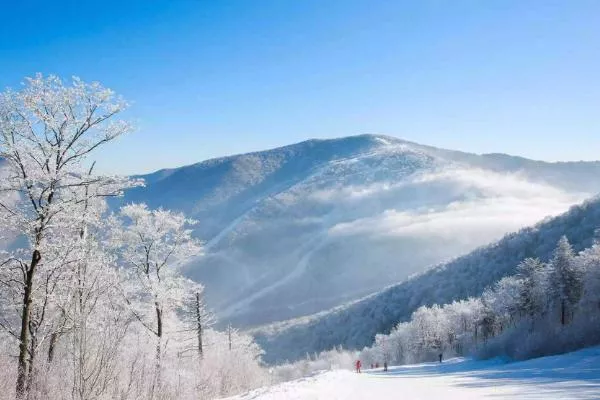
(569, 376)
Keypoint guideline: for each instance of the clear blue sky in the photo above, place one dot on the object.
(211, 78)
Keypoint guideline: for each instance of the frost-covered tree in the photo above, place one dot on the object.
(501, 304)
(153, 245)
(588, 262)
(431, 326)
(48, 130)
(533, 296)
(196, 318)
(94, 313)
(565, 280)
(239, 360)
(464, 318)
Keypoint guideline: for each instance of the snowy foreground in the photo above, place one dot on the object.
(569, 376)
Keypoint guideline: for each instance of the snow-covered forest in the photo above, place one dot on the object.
(92, 302)
(546, 308)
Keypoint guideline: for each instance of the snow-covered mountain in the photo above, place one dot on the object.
(302, 228)
(354, 325)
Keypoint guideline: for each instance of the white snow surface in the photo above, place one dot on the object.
(569, 376)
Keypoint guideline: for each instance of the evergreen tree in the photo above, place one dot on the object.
(531, 302)
(566, 282)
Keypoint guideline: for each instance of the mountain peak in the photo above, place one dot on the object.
(351, 143)
(299, 228)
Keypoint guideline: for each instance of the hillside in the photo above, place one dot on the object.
(306, 227)
(355, 325)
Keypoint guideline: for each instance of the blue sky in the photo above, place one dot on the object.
(212, 78)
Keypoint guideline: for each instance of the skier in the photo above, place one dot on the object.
(358, 366)
(376, 365)
(440, 357)
(385, 366)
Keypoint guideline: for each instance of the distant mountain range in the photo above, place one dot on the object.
(303, 228)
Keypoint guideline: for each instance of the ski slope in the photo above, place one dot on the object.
(569, 376)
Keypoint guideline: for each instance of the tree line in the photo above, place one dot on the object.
(92, 302)
(545, 308)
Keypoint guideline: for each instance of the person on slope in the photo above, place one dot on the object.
(358, 366)
(385, 366)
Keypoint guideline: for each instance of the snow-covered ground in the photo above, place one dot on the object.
(569, 376)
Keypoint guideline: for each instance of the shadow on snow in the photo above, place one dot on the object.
(562, 374)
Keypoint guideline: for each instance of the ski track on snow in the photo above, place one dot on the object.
(313, 245)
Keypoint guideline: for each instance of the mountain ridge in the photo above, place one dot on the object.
(302, 228)
(366, 135)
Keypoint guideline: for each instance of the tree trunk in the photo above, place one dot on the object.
(23, 364)
(157, 374)
(199, 326)
(229, 335)
(51, 347)
(53, 341)
(159, 334)
(31, 370)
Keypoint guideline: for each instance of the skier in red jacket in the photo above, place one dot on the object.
(358, 366)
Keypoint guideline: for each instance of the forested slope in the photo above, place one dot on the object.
(356, 324)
